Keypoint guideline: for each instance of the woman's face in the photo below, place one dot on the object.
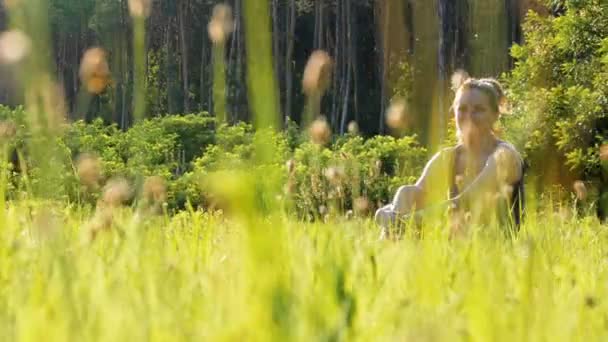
(474, 115)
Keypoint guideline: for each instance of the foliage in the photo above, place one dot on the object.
(354, 168)
(559, 89)
(189, 152)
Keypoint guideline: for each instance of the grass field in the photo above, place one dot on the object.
(205, 277)
(71, 272)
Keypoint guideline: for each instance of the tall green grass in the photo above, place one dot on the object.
(192, 276)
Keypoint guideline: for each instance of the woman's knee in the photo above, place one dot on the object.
(385, 216)
(405, 198)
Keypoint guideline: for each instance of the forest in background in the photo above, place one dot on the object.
(380, 49)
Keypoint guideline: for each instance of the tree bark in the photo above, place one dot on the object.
(203, 79)
(288, 59)
(182, 7)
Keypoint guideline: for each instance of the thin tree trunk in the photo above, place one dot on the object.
(354, 61)
(337, 55)
(276, 43)
(321, 38)
(238, 64)
(347, 64)
(315, 42)
(289, 57)
(182, 8)
(203, 79)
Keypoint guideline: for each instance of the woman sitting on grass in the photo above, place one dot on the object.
(479, 175)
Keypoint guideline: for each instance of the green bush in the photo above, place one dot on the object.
(559, 93)
(354, 168)
(193, 156)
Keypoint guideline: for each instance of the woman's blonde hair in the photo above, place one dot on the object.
(489, 86)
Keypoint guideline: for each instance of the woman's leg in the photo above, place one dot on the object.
(403, 202)
(385, 216)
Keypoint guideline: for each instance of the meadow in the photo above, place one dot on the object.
(200, 276)
(193, 227)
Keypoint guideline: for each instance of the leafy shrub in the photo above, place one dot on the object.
(193, 156)
(353, 169)
(559, 93)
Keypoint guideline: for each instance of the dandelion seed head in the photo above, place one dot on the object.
(116, 192)
(322, 210)
(94, 70)
(221, 25)
(320, 133)
(334, 174)
(7, 130)
(290, 187)
(361, 205)
(155, 189)
(507, 191)
(396, 115)
(604, 152)
(46, 222)
(140, 8)
(580, 190)
(11, 4)
(353, 128)
(458, 78)
(14, 46)
(291, 166)
(88, 168)
(317, 73)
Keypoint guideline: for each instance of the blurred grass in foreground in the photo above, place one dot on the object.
(191, 277)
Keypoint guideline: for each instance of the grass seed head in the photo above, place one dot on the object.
(14, 46)
(507, 191)
(221, 25)
(291, 166)
(140, 8)
(94, 70)
(396, 115)
(88, 168)
(458, 78)
(604, 152)
(361, 206)
(11, 4)
(322, 210)
(46, 222)
(353, 128)
(580, 190)
(155, 189)
(116, 192)
(317, 73)
(8, 130)
(320, 133)
(290, 187)
(334, 174)
(459, 182)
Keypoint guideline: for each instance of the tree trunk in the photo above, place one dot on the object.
(347, 64)
(337, 58)
(288, 59)
(276, 45)
(182, 7)
(203, 79)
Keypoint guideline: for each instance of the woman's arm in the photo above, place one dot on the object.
(433, 177)
(413, 197)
